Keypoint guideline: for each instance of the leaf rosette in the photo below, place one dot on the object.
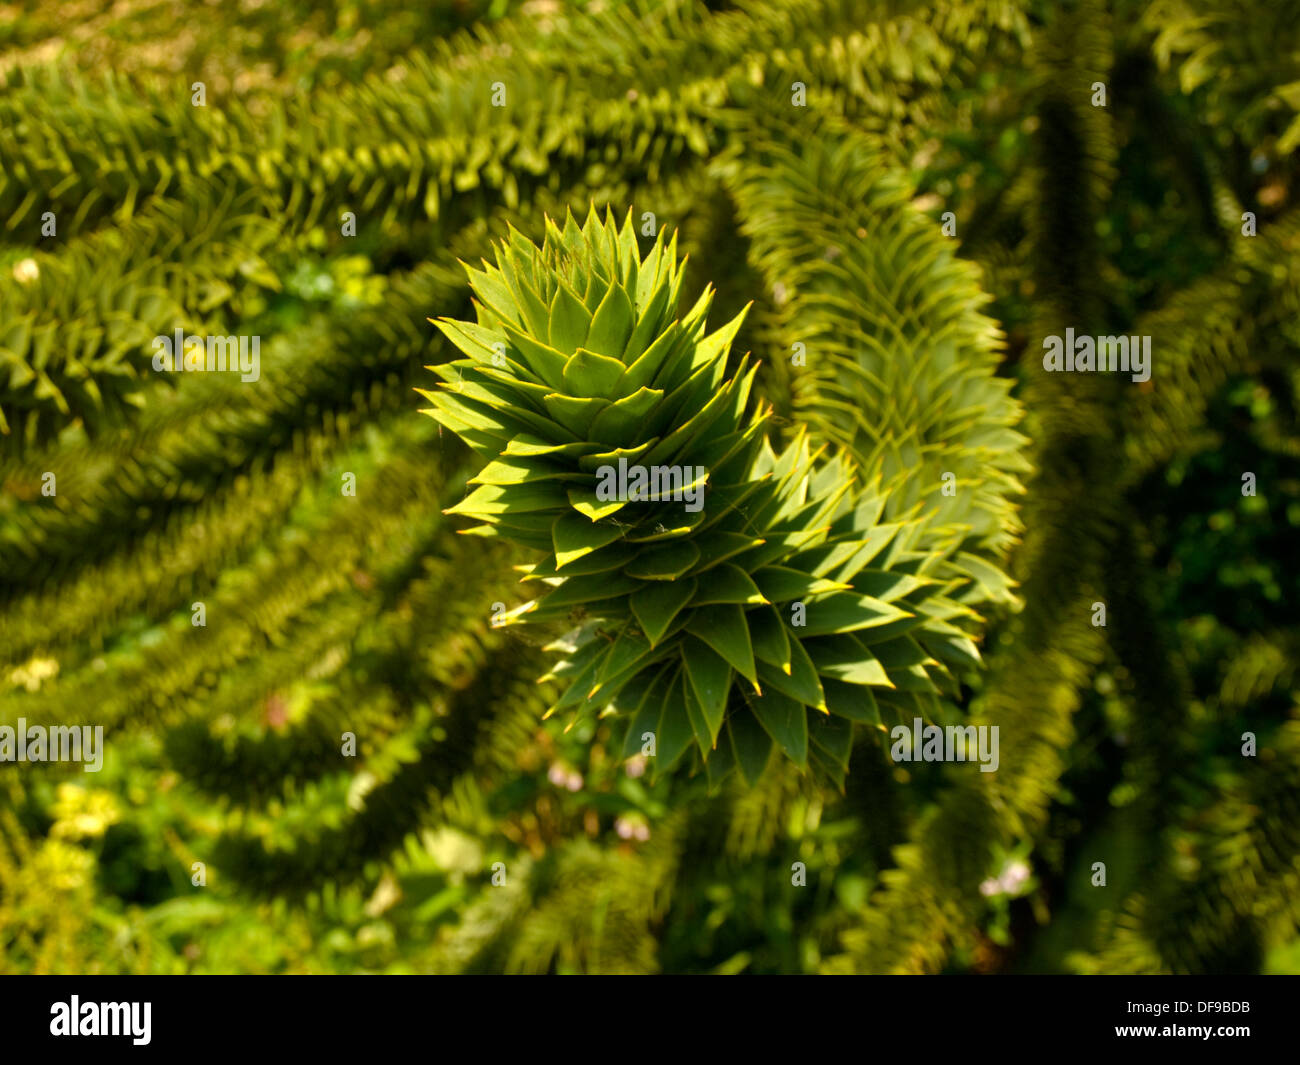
(780, 612)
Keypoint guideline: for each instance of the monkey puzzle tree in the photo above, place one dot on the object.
(773, 614)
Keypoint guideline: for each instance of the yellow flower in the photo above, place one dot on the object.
(83, 814)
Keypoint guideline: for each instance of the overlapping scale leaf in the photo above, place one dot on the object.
(752, 599)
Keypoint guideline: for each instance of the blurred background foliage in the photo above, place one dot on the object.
(329, 614)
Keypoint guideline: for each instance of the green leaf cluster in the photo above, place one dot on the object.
(773, 613)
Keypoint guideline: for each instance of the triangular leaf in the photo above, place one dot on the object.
(724, 629)
(785, 720)
(710, 679)
(656, 603)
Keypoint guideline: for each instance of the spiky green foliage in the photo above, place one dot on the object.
(370, 615)
(772, 602)
(912, 398)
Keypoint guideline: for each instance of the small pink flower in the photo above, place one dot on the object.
(632, 828)
(1014, 876)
